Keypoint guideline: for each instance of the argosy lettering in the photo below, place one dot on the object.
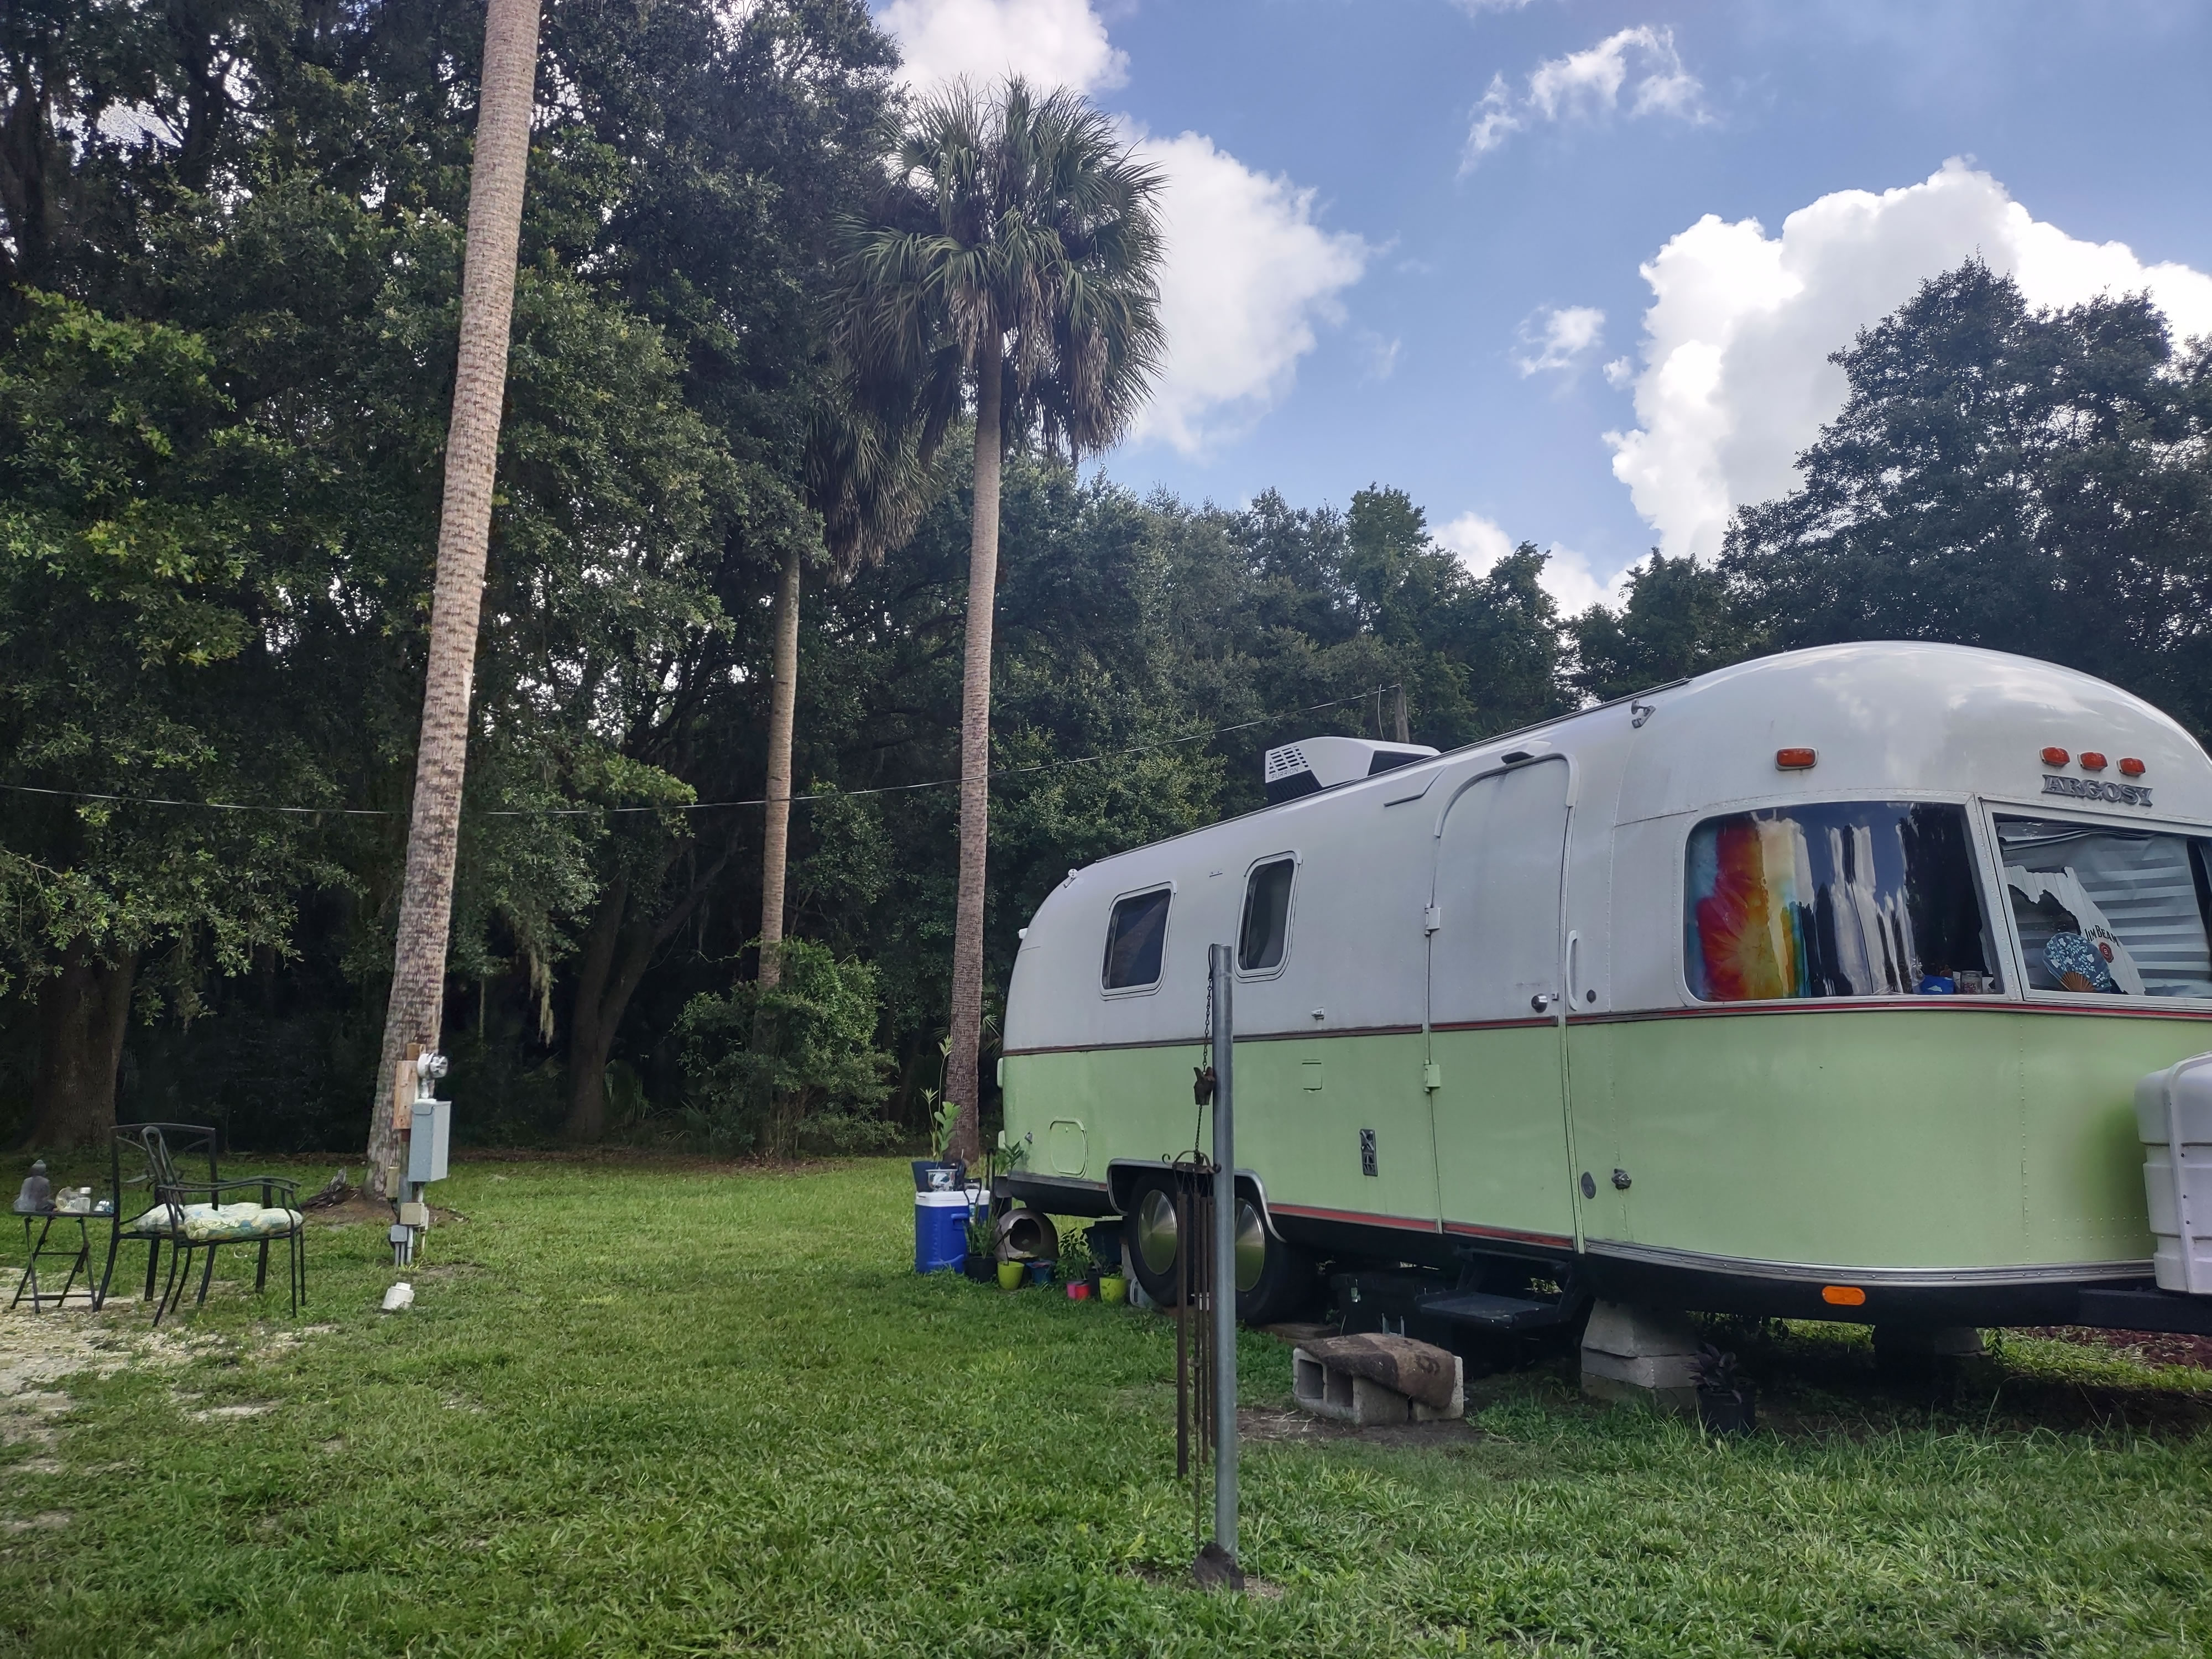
(2120, 794)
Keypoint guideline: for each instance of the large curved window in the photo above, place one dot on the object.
(2111, 911)
(1135, 936)
(1848, 899)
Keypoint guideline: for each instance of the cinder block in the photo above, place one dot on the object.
(1364, 1402)
(1929, 1341)
(1640, 1355)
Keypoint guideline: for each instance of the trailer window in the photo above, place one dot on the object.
(1852, 899)
(1134, 936)
(1266, 932)
(2113, 912)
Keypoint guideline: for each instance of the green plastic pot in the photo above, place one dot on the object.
(1113, 1288)
(1010, 1275)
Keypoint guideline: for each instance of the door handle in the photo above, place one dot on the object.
(1540, 1001)
(1574, 940)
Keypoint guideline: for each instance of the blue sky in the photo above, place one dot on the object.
(1568, 270)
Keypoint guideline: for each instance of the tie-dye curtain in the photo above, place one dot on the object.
(1860, 898)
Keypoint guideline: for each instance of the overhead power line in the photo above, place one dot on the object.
(702, 806)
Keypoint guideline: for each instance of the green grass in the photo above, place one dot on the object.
(671, 1409)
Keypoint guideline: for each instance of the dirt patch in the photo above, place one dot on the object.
(1186, 1578)
(362, 1207)
(1275, 1426)
(42, 1521)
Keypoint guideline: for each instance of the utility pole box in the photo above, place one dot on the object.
(428, 1139)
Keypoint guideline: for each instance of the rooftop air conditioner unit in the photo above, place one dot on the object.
(1315, 764)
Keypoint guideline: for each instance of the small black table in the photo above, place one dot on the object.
(39, 1245)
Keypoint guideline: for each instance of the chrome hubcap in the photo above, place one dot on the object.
(1251, 1246)
(1157, 1240)
(1156, 1230)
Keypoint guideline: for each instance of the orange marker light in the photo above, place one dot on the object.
(2130, 766)
(1793, 760)
(2092, 761)
(2055, 757)
(1843, 1296)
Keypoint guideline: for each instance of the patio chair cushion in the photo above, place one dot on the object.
(160, 1222)
(218, 1223)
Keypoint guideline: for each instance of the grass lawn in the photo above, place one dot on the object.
(671, 1408)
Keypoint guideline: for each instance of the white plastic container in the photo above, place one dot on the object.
(2173, 1117)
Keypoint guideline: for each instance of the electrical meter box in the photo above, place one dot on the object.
(426, 1141)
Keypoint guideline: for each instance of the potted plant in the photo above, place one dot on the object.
(1010, 1275)
(978, 1265)
(938, 1173)
(1726, 1403)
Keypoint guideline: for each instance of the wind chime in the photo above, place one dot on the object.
(1206, 1301)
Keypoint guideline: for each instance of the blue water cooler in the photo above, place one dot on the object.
(940, 1232)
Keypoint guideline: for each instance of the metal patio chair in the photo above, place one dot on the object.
(150, 1153)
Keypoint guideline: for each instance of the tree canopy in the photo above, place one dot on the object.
(227, 286)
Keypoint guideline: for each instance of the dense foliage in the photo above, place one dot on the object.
(228, 274)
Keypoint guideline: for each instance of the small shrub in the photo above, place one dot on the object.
(789, 1071)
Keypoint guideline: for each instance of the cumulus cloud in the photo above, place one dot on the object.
(1249, 276)
(1052, 42)
(1640, 65)
(1480, 544)
(1559, 338)
(1735, 380)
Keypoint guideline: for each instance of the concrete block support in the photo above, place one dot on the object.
(1326, 1391)
(1640, 1355)
(1928, 1342)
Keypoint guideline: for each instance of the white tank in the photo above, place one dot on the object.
(2174, 1115)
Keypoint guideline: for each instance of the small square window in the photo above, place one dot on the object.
(1266, 934)
(1135, 937)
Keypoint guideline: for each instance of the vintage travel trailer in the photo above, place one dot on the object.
(1821, 986)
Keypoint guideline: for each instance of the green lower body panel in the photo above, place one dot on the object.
(1920, 1137)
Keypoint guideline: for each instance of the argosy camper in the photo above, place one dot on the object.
(1819, 986)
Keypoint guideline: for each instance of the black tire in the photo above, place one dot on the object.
(1275, 1279)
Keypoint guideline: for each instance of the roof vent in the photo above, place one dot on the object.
(1314, 763)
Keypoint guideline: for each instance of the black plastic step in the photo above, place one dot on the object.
(2146, 1310)
(1495, 1313)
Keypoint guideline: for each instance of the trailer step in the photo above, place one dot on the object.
(1494, 1313)
(2146, 1310)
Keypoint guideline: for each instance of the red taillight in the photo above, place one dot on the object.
(1793, 760)
(2092, 761)
(2130, 766)
(2055, 757)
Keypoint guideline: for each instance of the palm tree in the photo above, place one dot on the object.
(867, 478)
(504, 103)
(1013, 253)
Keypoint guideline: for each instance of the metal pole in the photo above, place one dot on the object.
(1225, 1259)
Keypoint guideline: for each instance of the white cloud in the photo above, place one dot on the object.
(1054, 43)
(1248, 275)
(1588, 86)
(1480, 544)
(1734, 379)
(1561, 340)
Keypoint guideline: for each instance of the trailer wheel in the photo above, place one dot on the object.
(1275, 1279)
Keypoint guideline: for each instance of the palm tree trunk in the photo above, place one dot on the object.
(776, 829)
(962, 1079)
(502, 154)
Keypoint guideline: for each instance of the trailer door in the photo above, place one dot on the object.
(1495, 1037)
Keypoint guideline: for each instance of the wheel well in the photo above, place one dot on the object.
(1121, 1184)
